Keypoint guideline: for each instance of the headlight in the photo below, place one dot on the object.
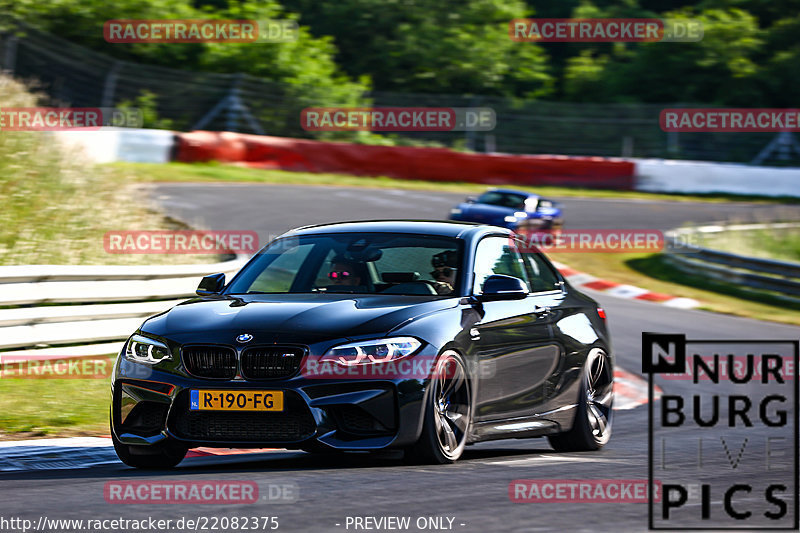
(375, 351)
(455, 211)
(149, 351)
(516, 217)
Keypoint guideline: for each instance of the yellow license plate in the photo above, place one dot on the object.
(236, 400)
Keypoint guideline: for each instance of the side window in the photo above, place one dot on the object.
(542, 277)
(497, 255)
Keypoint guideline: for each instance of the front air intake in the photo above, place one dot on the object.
(271, 362)
(214, 362)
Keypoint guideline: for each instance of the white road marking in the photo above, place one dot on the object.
(626, 291)
(556, 459)
(580, 279)
(72, 442)
(682, 303)
(420, 196)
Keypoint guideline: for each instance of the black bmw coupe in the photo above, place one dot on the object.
(421, 336)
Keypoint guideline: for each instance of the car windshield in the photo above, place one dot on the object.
(359, 263)
(503, 199)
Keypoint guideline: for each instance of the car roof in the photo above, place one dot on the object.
(442, 228)
(513, 191)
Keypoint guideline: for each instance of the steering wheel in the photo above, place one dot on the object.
(413, 287)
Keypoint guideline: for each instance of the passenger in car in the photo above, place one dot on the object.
(444, 271)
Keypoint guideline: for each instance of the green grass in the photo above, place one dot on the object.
(654, 273)
(782, 243)
(39, 407)
(56, 206)
(215, 172)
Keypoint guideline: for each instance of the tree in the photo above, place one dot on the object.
(431, 46)
(306, 67)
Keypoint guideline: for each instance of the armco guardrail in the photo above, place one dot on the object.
(137, 292)
(25, 273)
(403, 162)
(704, 177)
(764, 274)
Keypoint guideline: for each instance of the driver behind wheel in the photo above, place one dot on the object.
(444, 271)
(343, 272)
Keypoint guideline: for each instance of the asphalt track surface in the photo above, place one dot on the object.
(474, 492)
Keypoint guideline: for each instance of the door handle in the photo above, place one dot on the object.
(541, 310)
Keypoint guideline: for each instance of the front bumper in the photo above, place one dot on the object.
(150, 406)
(533, 225)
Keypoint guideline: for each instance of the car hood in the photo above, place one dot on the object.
(290, 318)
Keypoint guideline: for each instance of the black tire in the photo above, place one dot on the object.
(591, 428)
(160, 456)
(448, 413)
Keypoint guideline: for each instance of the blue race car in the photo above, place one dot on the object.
(516, 210)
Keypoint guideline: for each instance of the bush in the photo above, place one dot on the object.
(57, 205)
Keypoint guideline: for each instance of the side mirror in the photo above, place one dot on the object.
(498, 287)
(212, 284)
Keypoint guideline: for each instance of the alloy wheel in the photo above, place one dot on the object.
(452, 404)
(599, 395)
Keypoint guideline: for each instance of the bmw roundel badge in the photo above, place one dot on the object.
(244, 337)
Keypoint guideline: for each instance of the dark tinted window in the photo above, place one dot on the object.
(503, 199)
(497, 255)
(542, 277)
(355, 263)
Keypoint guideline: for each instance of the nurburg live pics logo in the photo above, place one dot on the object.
(723, 439)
